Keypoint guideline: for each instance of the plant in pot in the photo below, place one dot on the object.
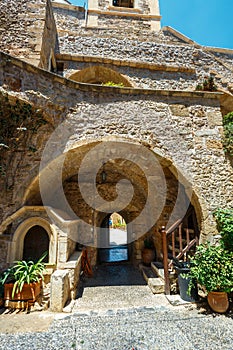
(22, 281)
(148, 252)
(183, 271)
(212, 268)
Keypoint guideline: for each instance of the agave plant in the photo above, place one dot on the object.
(24, 272)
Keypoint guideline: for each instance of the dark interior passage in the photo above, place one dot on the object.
(36, 242)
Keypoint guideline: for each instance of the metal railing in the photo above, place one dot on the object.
(178, 240)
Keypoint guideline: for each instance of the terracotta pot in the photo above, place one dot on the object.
(218, 301)
(148, 255)
(29, 291)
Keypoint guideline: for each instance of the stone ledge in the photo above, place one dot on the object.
(104, 89)
(134, 64)
(73, 261)
(124, 9)
(124, 14)
(18, 213)
(68, 7)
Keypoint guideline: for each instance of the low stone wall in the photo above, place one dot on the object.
(64, 283)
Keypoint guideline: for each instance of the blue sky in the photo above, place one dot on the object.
(208, 22)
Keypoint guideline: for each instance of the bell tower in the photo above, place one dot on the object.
(128, 14)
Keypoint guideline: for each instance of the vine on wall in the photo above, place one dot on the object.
(228, 133)
(19, 121)
(224, 219)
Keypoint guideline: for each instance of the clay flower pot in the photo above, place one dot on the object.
(148, 255)
(218, 301)
(29, 292)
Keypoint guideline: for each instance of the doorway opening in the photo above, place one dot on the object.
(36, 242)
(113, 240)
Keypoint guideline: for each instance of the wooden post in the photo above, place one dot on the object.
(165, 261)
(180, 237)
(173, 244)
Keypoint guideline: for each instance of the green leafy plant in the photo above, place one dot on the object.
(212, 267)
(228, 133)
(23, 272)
(111, 83)
(207, 85)
(224, 219)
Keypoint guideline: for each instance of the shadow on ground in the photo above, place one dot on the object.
(112, 274)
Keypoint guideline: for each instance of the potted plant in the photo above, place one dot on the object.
(212, 268)
(148, 252)
(22, 281)
(183, 271)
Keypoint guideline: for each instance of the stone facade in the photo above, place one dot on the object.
(157, 109)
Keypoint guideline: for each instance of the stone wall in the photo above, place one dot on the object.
(68, 18)
(22, 24)
(182, 126)
(4, 244)
(109, 21)
(179, 56)
(143, 78)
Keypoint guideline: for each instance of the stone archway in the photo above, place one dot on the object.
(115, 171)
(113, 244)
(17, 251)
(100, 75)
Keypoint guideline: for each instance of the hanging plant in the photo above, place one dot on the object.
(207, 85)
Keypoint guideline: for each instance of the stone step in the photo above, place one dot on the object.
(157, 267)
(155, 283)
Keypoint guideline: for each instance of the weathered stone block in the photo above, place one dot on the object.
(214, 144)
(214, 118)
(156, 285)
(60, 290)
(179, 110)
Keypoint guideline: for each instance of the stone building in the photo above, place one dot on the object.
(100, 114)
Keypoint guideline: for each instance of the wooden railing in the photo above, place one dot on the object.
(179, 235)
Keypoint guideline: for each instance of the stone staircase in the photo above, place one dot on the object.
(154, 276)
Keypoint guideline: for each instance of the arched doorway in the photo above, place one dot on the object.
(173, 199)
(113, 240)
(36, 242)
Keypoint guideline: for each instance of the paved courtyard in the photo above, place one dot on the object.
(118, 316)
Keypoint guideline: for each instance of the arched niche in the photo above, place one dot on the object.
(99, 75)
(36, 243)
(28, 227)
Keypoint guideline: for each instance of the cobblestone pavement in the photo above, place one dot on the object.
(148, 323)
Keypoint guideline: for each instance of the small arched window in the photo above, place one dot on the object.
(123, 3)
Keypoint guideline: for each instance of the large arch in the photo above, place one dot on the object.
(99, 75)
(74, 156)
(115, 170)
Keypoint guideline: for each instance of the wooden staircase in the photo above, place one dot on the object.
(154, 276)
(154, 281)
(179, 242)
